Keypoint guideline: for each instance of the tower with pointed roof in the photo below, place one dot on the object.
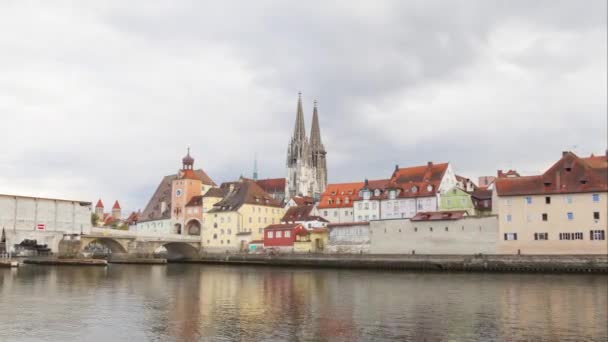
(186, 185)
(99, 209)
(306, 166)
(116, 210)
(318, 154)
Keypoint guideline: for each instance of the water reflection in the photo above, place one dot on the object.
(194, 302)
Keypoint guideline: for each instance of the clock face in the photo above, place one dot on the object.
(178, 192)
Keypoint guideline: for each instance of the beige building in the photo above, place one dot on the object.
(562, 211)
(239, 217)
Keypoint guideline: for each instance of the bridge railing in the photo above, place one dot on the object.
(131, 234)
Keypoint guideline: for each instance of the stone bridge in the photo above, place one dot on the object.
(129, 244)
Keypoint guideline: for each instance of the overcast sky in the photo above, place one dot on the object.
(101, 98)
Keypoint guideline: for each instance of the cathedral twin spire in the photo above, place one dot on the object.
(307, 171)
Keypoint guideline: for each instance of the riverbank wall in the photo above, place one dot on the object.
(465, 263)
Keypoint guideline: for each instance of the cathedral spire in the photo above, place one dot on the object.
(315, 132)
(299, 131)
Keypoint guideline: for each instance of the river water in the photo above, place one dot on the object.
(179, 302)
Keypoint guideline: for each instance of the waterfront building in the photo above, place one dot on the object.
(456, 199)
(240, 216)
(414, 189)
(349, 238)
(305, 214)
(366, 206)
(306, 159)
(336, 203)
(295, 238)
(562, 211)
(448, 232)
(46, 220)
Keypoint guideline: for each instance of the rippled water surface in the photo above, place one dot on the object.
(227, 303)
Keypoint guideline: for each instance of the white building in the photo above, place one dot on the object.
(415, 189)
(367, 206)
(45, 220)
(336, 203)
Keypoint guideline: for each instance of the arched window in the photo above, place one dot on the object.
(214, 236)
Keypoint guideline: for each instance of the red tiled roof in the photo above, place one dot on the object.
(189, 174)
(133, 218)
(297, 213)
(283, 226)
(244, 191)
(482, 194)
(116, 205)
(440, 215)
(417, 181)
(302, 200)
(335, 195)
(272, 185)
(373, 185)
(570, 174)
(99, 204)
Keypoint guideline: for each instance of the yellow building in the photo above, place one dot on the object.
(238, 217)
(562, 211)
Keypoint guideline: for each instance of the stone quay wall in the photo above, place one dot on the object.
(467, 263)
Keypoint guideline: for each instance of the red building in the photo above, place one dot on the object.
(281, 236)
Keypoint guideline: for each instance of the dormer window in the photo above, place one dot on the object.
(338, 201)
(377, 192)
(429, 188)
(414, 189)
(392, 194)
(329, 201)
(346, 200)
(366, 194)
(583, 180)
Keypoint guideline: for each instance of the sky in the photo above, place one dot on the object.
(100, 99)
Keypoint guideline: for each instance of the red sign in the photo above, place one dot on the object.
(40, 226)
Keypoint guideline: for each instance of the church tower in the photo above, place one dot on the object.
(318, 154)
(303, 156)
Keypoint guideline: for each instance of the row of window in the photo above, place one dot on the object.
(447, 229)
(279, 234)
(568, 199)
(545, 216)
(366, 217)
(272, 210)
(346, 213)
(593, 235)
(222, 241)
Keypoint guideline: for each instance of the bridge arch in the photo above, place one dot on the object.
(114, 246)
(180, 251)
(193, 227)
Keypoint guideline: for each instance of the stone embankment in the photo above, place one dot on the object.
(467, 263)
(67, 262)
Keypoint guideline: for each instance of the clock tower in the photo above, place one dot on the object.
(186, 185)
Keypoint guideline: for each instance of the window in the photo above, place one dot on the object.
(595, 197)
(270, 235)
(374, 205)
(570, 236)
(359, 218)
(568, 199)
(366, 206)
(570, 216)
(259, 220)
(545, 217)
(415, 229)
(547, 200)
(250, 220)
(430, 229)
(264, 219)
(229, 231)
(287, 233)
(260, 230)
(510, 236)
(528, 200)
(373, 217)
(509, 218)
(325, 213)
(446, 229)
(541, 236)
(391, 194)
(366, 217)
(215, 225)
(228, 241)
(596, 215)
(597, 235)
(214, 236)
(335, 213)
(279, 234)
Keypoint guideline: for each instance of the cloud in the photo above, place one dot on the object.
(101, 99)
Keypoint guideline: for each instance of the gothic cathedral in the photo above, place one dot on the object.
(306, 159)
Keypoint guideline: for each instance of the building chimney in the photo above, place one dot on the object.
(429, 164)
(397, 166)
(499, 173)
(564, 153)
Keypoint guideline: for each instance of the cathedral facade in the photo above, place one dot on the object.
(306, 158)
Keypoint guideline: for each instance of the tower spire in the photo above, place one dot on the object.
(315, 132)
(299, 131)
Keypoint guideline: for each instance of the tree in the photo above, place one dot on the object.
(94, 219)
